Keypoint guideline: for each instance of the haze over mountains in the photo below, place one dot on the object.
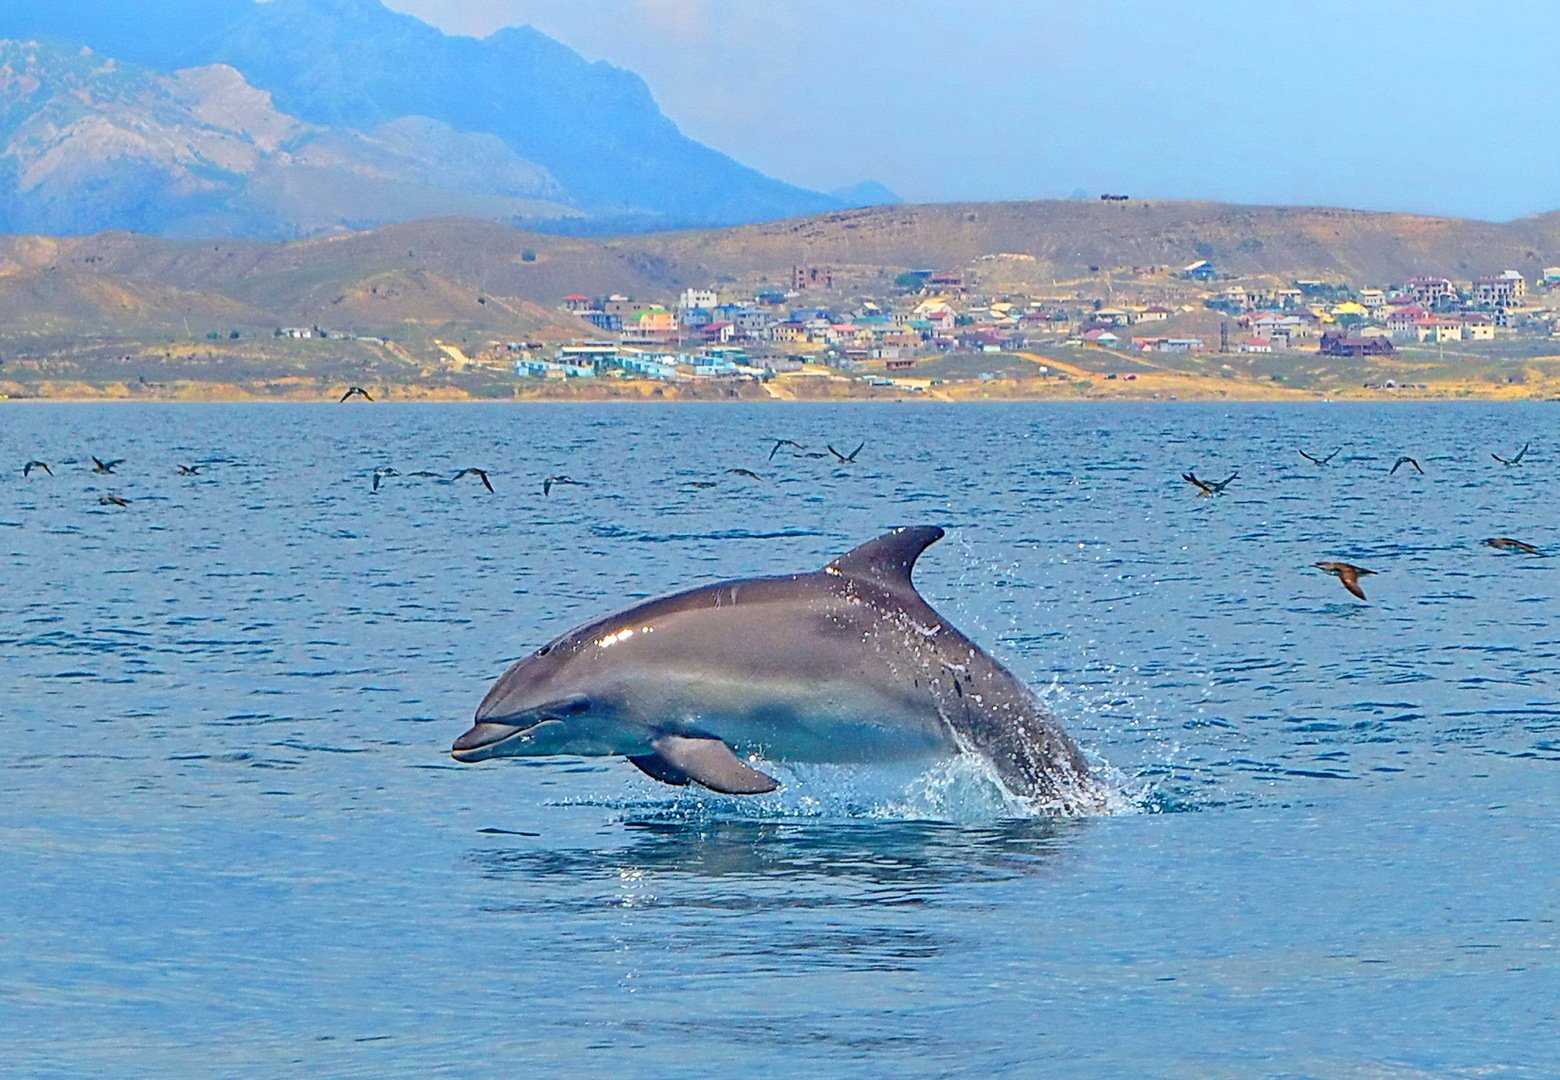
(309, 114)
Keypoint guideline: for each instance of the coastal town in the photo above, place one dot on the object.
(933, 327)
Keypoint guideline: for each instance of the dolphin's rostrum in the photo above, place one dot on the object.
(845, 664)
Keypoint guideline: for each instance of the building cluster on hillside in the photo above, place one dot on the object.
(714, 333)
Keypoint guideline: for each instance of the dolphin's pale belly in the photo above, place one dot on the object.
(794, 720)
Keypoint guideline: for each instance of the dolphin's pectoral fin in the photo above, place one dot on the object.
(657, 767)
(711, 763)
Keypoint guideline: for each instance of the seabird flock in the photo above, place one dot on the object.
(1348, 573)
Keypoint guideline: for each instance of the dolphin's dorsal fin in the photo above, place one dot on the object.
(889, 559)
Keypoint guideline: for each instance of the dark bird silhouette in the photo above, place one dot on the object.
(189, 470)
(1506, 543)
(1517, 460)
(426, 474)
(701, 484)
(1206, 488)
(847, 460)
(1405, 460)
(35, 464)
(380, 474)
(105, 467)
(798, 447)
(1319, 461)
(1347, 573)
(355, 391)
(112, 500)
(560, 481)
(749, 473)
(480, 474)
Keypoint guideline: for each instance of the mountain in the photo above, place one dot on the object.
(353, 65)
(88, 143)
(866, 193)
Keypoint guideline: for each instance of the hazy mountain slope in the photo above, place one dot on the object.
(89, 143)
(354, 63)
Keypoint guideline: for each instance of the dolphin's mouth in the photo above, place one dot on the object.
(492, 738)
(485, 739)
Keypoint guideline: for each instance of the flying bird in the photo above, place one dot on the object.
(1506, 543)
(1320, 461)
(1206, 488)
(1517, 460)
(851, 459)
(1405, 460)
(1347, 573)
(31, 465)
(480, 474)
(355, 391)
(112, 500)
(560, 481)
(798, 447)
(749, 473)
(380, 474)
(701, 484)
(189, 470)
(105, 467)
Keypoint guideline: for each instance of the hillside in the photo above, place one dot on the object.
(591, 134)
(464, 273)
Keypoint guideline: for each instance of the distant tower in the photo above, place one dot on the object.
(1224, 336)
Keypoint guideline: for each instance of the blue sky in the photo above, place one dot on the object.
(1436, 107)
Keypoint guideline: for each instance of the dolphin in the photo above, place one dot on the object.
(843, 664)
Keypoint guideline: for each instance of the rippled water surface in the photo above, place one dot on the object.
(232, 842)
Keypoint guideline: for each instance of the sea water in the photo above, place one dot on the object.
(232, 841)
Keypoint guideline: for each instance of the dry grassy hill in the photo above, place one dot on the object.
(467, 277)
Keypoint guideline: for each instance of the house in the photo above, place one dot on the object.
(1504, 291)
(1201, 270)
(1551, 278)
(651, 324)
(811, 277)
(1477, 327)
(945, 281)
(591, 354)
(698, 298)
(1186, 345)
(1256, 345)
(543, 369)
(787, 333)
(1429, 291)
(1103, 338)
(721, 332)
(1334, 344)
(1155, 313)
(1108, 316)
(576, 302)
(1438, 328)
(1373, 301)
(1402, 320)
(651, 365)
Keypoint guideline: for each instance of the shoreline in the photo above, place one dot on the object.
(782, 402)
